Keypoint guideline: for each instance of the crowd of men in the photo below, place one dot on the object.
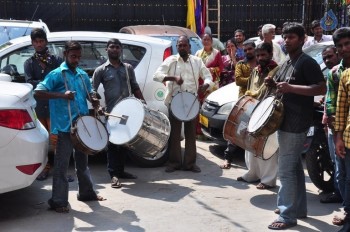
(282, 68)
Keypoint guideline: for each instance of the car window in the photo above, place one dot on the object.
(93, 55)
(315, 52)
(196, 43)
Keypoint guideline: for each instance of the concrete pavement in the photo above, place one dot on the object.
(157, 201)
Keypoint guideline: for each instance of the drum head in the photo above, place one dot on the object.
(260, 114)
(271, 146)
(184, 106)
(121, 131)
(92, 133)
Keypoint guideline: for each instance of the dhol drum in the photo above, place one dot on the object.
(142, 130)
(184, 106)
(89, 135)
(235, 130)
(266, 117)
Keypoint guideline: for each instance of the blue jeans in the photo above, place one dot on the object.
(291, 198)
(60, 184)
(339, 167)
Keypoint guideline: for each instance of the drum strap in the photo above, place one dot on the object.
(127, 79)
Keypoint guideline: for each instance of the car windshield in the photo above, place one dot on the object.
(315, 51)
(195, 42)
(7, 32)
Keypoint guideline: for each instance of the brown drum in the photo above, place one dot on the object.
(89, 135)
(266, 117)
(235, 130)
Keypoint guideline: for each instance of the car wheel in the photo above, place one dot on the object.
(320, 167)
(148, 162)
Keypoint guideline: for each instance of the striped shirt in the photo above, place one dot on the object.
(342, 109)
(332, 88)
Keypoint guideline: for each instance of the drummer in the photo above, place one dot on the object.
(182, 72)
(258, 169)
(63, 86)
(112, 74)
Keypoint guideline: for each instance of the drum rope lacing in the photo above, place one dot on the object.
(76, 106)
(269, 91)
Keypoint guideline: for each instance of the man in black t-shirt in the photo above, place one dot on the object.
(298, 80)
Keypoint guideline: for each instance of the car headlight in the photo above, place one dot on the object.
(226, 108)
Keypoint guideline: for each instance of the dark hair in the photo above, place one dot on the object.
(185, 37)
(232, 40)
(260, 27)
(114, 41)
(295, 28)
(208, 34)
(249, 42)
(38, 33)
(330, 47)
(72, 45)
(264, 46)
(341, 33)
(240, 31)
(315, 23)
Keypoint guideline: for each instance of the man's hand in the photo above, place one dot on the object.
(340, 146)
(283, 87)
(179, 80)
(269, 82)
(69, 95)
(203, 88)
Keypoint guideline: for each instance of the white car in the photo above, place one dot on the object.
(144, 53)
(11, 29)
(23, 140)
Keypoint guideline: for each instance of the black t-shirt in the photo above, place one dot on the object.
(298, 109)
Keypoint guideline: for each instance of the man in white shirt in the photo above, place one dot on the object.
(268, 33)
(319, 37)
(181, 72)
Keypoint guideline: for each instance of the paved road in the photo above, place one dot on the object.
(157, 201)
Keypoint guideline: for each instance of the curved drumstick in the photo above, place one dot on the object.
(191, 106)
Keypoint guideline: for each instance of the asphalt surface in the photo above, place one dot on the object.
(157, 201)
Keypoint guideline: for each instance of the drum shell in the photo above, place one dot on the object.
(235, 130)
(78, 142)
(153, 134)
(273, 122)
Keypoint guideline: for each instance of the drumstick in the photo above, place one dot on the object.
(191, 107)
(113, 115)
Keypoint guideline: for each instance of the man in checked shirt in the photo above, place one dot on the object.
(341, 38)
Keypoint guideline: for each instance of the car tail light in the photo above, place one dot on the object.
(29, 169)
(167, 53)
(16, 119)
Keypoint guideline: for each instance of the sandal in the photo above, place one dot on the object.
(226, 165)
(61, 210)
(91, 198)
(278, 225)
(262, 186)
(241, 179)
(338, 220)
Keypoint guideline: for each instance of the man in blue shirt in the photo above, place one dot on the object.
(68, 87)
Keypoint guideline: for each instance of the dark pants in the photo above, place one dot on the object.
(116, 159)
(175, 157)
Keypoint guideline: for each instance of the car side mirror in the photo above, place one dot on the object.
(11, 70)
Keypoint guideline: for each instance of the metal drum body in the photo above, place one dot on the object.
(235, 130)
(142, 130)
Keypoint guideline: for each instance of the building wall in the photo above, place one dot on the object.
(108, 15)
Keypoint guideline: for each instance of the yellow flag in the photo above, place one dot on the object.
(191, 20)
